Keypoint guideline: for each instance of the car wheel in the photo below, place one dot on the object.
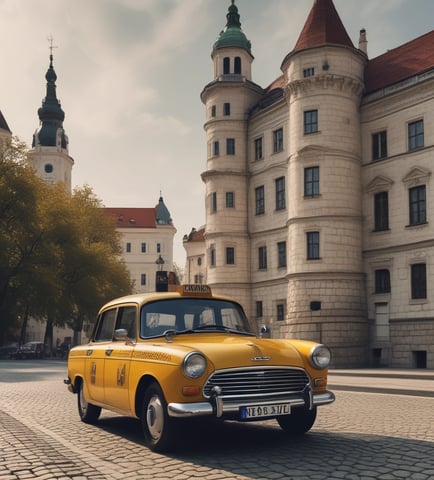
(88, 413)
(159, 430)
(299, 421)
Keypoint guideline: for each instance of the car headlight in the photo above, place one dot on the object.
(194, 365)
(320, 356)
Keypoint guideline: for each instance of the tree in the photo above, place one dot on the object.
(59, 254)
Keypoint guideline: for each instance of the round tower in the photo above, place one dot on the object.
(324, 83)
(228, 99)
(49, 154)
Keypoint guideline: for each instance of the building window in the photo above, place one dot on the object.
(230, 255)
(216, 148)
(48, 168)
(281, 254)
(312, 245)
(198, 278)
(237, 66)
(230, 200)
(258, 148)
(226, 109)
(280, 193)
(415, 135)
(199, 261)
(259, 200)
(143, 247)
(278, 140)
(262, 258)
(418, 281)
(230, 146)
(143, 279)
(381, 211)
(310, 121)
(212, 256)
(128, 247)
(382, 281)
(311, 182)
(280, 311)
(158, 247)
(213, 202)
(259, 309)
(308, 72)
(226, 66)
(417, 205)
(379, 145)
(213, 111)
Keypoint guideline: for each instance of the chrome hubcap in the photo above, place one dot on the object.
(155, 417)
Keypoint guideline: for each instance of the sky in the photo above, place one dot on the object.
(130, 74)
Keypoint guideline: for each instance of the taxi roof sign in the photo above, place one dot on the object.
(192, 289)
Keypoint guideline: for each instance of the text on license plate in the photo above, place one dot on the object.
(257, 411)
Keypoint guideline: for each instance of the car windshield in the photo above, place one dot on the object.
(190, 315)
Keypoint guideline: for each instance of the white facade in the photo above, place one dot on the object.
(317, 240)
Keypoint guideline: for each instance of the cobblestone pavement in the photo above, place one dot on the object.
(361, 436)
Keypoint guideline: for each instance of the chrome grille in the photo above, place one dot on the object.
(257, 382)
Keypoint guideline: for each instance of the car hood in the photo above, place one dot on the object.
(238, 350)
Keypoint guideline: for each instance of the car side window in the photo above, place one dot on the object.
(106, 326)
(127, 320)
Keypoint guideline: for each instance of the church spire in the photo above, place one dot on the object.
(50, 132)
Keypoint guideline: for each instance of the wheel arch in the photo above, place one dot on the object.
(143, 384)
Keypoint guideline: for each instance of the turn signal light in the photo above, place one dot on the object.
(320, 382)
(190, 391)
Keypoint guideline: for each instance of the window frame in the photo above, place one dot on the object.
(262, 257)
(281, 254)
(313, 245)
(230, 255)
(416, 138)
(382, 281)
(230, 199)
(379, 145)
(381, 211)
(418, 281)
(280, 188)
(417, 206)
(260, 200)
(230, 146)
(310, 121)
(311, 181)
(278, 140)
(226, 109)
(258, 143)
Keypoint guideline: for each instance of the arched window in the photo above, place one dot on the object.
(237, 66)
(226, 65)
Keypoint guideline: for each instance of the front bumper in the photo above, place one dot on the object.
(219, 406)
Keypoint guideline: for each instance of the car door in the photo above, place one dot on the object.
(118, 360)
(96, 354)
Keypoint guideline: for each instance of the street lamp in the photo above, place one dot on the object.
(160, 262)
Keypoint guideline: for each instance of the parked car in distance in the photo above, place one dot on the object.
(8, 351)
(32, 350)
(167, 357)
(62, 350)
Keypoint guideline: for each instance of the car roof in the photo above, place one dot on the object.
(142, 298)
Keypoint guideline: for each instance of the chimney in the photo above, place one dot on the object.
(363, 43)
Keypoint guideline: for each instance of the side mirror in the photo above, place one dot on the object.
(265, 332)
(121, 335)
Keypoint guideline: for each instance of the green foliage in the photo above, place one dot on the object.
(59, 254)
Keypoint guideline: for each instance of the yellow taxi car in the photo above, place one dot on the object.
(165, 357)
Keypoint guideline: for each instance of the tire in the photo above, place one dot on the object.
(299, 421)
(88, 413)
(159, 430)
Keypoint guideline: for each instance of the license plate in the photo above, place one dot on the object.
(258, 411)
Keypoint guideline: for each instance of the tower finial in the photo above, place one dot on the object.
(51, 47)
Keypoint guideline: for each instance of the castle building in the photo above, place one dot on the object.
(318, 191)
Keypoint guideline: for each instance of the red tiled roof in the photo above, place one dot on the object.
(323, 27)
(414, 57)
(3, 123)
(133, 217)
(197, 235)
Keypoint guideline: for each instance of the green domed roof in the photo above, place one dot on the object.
(232, 35)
